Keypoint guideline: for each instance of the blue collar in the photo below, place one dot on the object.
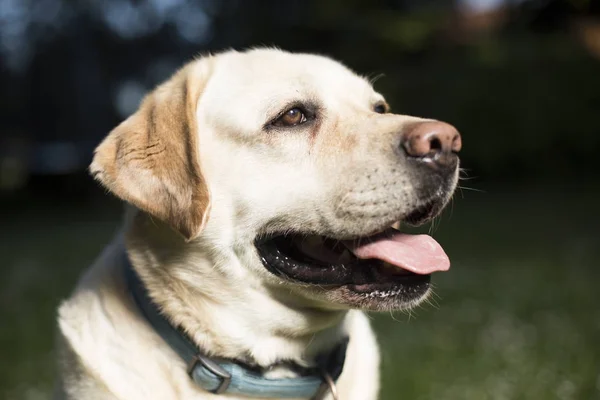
(217, 375)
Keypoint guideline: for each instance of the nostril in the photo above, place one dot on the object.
(430, 138)
(435, 144)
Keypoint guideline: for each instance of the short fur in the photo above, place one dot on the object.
(206, 174)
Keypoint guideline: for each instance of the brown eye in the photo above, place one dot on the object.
(380, 108)
(291, 117)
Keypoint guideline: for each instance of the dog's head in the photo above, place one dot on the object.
(294, 169)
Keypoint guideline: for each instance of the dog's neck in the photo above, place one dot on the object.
(226, 310)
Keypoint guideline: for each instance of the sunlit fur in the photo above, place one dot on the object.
(338, 176)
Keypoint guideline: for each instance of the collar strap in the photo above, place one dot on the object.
(218, 375)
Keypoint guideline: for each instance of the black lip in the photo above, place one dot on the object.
(414, 287)
(280, 258)
(424, 213)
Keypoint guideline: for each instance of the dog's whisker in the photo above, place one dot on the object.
(471, 189)
(312, 338)
(393, 316)
(451, 207)
(430, 301)
(410, 311)
(375, 78)
(434, 293)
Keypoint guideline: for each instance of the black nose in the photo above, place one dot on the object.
(433, 141)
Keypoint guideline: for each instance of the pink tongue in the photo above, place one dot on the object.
(420, 254)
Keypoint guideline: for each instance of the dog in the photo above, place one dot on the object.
(262, 191)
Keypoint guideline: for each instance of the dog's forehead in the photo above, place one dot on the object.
(255, 84)
(260, 67)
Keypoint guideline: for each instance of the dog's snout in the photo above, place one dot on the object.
(431, 139)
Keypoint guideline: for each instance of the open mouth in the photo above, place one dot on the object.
(386, 264)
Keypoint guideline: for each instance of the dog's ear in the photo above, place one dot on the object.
(151, 159)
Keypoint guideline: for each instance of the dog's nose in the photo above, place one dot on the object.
(431, 139)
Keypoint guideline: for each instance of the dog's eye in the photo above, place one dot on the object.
(292, 117)
(380, 108)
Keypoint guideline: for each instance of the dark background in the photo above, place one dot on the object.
(516, 317)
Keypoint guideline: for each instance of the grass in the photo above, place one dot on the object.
(516, 317)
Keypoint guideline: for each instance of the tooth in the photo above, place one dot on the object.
(396, 225)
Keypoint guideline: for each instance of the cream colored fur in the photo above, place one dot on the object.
(205, 180)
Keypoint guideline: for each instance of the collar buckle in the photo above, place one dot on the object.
(214, 368)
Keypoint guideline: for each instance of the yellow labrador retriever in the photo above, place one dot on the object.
(263, 187)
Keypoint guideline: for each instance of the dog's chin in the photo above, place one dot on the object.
(393, 298)
(327, 269)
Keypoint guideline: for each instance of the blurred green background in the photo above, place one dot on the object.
(516, 317)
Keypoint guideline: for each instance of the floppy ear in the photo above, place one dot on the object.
(151, 159)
